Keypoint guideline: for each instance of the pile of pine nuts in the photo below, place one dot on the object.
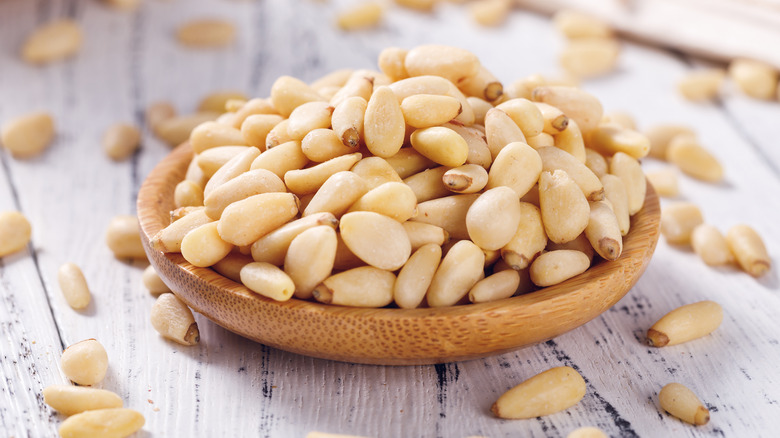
(351, 189)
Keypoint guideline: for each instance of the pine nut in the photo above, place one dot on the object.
(118, 422)
(391, 62)
(237, 165)
(611, 138)
(541, 140)
(480, 108)
(187, 194)
(69, 400)
(416, 275)
(603, 231)
(365, 231)
(529, 239)
(517, 166)
(247, 220)
(497, 286)
(256, 127)
(376, 171)
(493, 218)
(701, 85)
(483, 85)
(203, 246)
(361, 16)
(249, 183)
(252, 107)
(337, 194)
(661, 135)
(384, 127)
(570, 140)
(581, 244)
(687, 154)
(629, 171)
(590, 57)
(85, 362)
(211, 160)
(525, 114)
(479, 153)
(320, 145)
(231, 265)
(754, 78)
(459, 271)
(574, 24)
(421, 234)
(172, 319)
(15, 232)
(310, 258)
(124, 237)
(685, 323)
(577, 104)
(448, 213)
(268, 280)
(272, 247)
(596, 162)
(620, 118)
(441, 145)
(501, 130)
(711, 246)
(347, 120)
(206, 33)
(678, 221)
(749, 249)
(554, 267)
(469, 178)
(615, 193)
(392, 199)
(53, 41)
(557, 159)
(169, 239)
(451, 63)
(546, 393)
(360, 84)
(681, 402)
(565, 210)
(152, 281)
(208, 135)
(309, 180)
(28, 135)
(307, 117)
(216, 102)
(365, 286)
(555, 120)
(176, 130)
(288, 93)
(158, 112)
(281, 159)
(587, 432)
(664, 182)
(490, 12)
(74, 286)
(427, 110)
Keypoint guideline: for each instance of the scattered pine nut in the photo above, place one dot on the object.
(573, 24)
(27, 135)
(70, 399)
(685, 323)
(490, 12)
(710, 244)
(664, 182)
(119, 422)
(152, 281)
(587, 432)
(748, 247)
(173, 320)
(85, 362)
(206, 33)
(124, 237)
(590, 57)
(363, 16)
(702, 84)
(693, 159)
(74, 286)
(678, 221)
(53, 41)
(754, 78)
(121, 140)
(15, 232)
(546, 393)
(216, 102)
(681, 402)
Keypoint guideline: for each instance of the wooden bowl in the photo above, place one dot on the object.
(391, 336)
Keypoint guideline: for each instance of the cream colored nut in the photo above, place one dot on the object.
(247, 220)
(281, 159)
(69, 399)
(345, 259)
(27, 135)
(501, 130)
(490, 12)
(307, 117)
(603, 231)
(749, 249)
(384, 127)
(231, 265)
(469, 178)
(108, 423)
(361, 16)
(203, 246)
(664, 182)
(479, 153)
(441, 145)
(158, 112)
(252, 107)
(428, 84)
(177, 129)
(480, 108)
(554, 267)
(15, 232)
(321, 145)
(347, 120)
(310, 258)
(678, 221)
(361, 84)
(525, 114)
(211, 160)
(615, 193)
(682, 403)
(416, 275)
(169, 238)
(565, 210)
(660, 136)
(376, 171)
(267, 280)
(376, 239)
(279, 134)
(629, 171)
(53, 41)
(256, 127)
(581, 244)
(523, 87)
(541, 140)
(685, 323)
(590, 57)
(73, 286)
(574, 24)
(85, 362)
(208, 135)
(448, 213)
(391, 62)
(576, 103)
(570, 140)
(500, 285)
(427, 110)
(309, 180)
(483, 85)
(620, 118)
(173, 320)
(517, 166)
(236, 166)
(422, 234)
(711, 246)
(187, 194)
(688, 155)
(420, 5)
(702, 84)
(272, 247)
(555, 120)
(206, 33)
(596, 162)
(288, 93)
(217, 101)
(392, 199)
(546, 393)
(611, 138)
(451, 63)
(493, 218)
(152, 281)
(587, 432)
(754, 78)
(459, 271)
(337, 194)
(529, 239)
(557, 159)
(124, 237)
(364, 286)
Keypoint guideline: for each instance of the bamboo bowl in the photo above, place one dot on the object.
(391, 336)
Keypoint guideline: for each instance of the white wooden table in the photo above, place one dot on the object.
(229, 386)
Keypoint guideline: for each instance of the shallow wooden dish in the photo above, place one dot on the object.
(391, 336)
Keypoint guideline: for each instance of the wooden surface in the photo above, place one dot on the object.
(230, 386)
